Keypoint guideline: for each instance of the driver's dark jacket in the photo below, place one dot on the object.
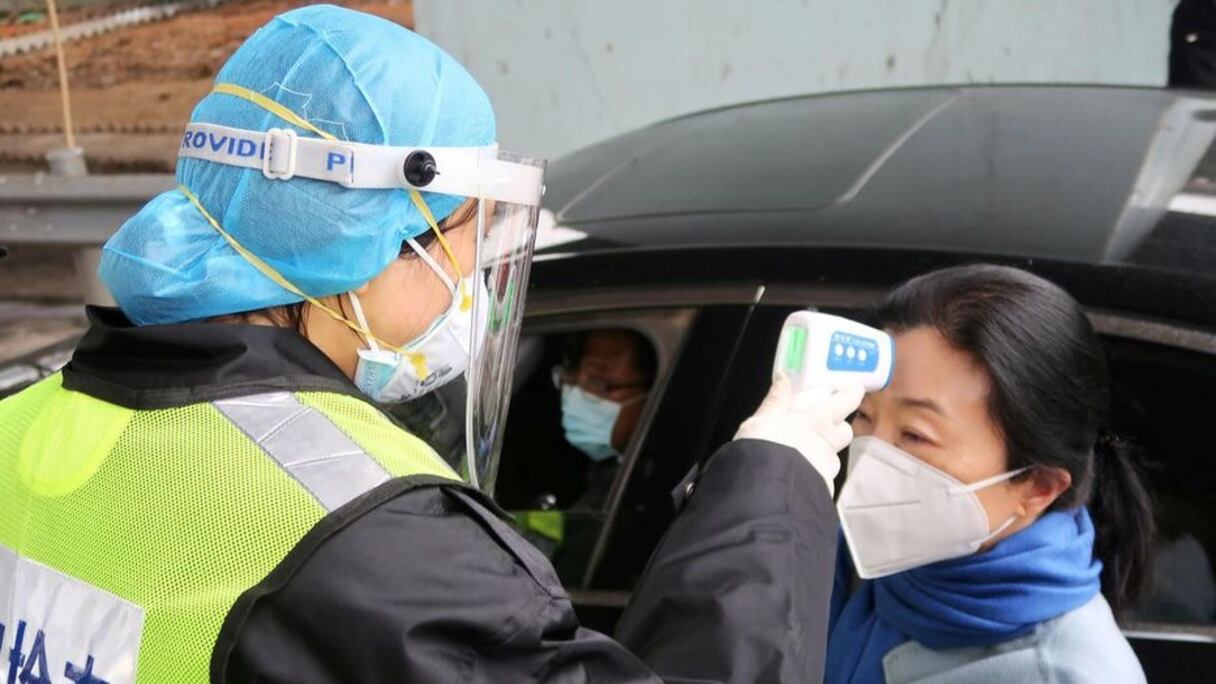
(419, 581)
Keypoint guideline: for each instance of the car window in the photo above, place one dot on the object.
(562, 470)
(563, 490)
(573, 418)
(678, 439)
(1162, 398)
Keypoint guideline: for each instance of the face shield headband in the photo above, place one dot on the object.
(282, 154)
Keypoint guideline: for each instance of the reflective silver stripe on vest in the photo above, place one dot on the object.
(304, 442)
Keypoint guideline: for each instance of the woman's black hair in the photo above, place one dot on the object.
(1050, 397)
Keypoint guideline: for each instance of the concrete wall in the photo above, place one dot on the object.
(567, 73)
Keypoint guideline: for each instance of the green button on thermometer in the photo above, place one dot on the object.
(795, 349)
(821, 350)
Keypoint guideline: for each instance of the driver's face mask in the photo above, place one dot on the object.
(899, 512)
(588, 421)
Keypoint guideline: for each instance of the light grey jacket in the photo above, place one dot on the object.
(1083, 646)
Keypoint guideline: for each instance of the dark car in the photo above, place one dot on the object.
(702, 233)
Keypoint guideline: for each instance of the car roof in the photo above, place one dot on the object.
(1102, 175)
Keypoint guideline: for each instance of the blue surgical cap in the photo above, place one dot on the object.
(359, 77)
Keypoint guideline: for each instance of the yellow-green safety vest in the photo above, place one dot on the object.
(126, 536)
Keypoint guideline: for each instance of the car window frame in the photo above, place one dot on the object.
(548, 305)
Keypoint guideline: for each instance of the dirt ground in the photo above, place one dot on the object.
(144, 78)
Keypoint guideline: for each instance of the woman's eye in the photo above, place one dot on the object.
(912, 437)
(861, 416)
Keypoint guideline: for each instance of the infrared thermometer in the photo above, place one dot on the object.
(818, 350)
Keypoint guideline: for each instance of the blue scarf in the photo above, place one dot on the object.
(1038, 574)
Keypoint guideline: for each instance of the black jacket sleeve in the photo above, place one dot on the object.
(738, 590)
(421, 582)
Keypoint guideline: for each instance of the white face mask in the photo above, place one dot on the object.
(434, 358)
(899, 512)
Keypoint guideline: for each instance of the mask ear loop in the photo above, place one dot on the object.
(995, 479)
(466, 298)
(993, 535)
(430, 261)
(447, 282)
(367, 331)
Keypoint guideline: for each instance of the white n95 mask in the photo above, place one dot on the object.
(434, 358)
(899, 512)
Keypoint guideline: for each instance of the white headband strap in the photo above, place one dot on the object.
(282, 154)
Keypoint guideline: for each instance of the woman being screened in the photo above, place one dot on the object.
(993, 521)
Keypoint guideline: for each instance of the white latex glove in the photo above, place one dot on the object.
(812, 423)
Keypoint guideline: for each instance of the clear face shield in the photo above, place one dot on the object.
(464, 420)
(461, 416)
(504, 260)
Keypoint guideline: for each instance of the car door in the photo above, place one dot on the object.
(1162, 378)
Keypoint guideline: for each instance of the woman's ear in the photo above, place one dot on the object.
(1043, 485)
